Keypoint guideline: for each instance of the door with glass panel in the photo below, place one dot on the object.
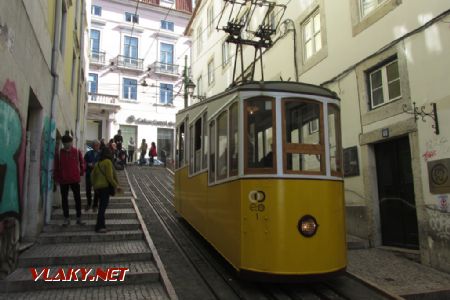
(131, 51)
(166, 58)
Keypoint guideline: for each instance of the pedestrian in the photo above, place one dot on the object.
(118, 139)
(91, 158)
(104, 180)
(69, 167)
(102, 144)
(143, 148)
(131, 146)
(152, 153)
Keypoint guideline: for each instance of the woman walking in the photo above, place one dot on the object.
(152, 153)
(104, 179)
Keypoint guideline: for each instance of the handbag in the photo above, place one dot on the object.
(111, 189)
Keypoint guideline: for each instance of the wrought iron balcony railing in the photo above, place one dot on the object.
(164, 68)
(97, 57)
(130, 62)
(102, 99)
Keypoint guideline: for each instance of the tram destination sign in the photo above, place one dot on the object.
(439, 176)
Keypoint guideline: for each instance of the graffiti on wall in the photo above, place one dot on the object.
(439, 222)
(11, 156)
(47, 155)
(436, 147)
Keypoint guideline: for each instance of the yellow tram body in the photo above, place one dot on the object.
(253, 221)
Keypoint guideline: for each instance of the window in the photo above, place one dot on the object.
(180, 145)
(199, 40)
(166, 57)
(234, 140)
(130, 47)
(259, 134)
(303, 148)
(95, 41)
(73, 77)
(212, 152)
(205, 141)
(167, 25)
(312, 37)
(368, 6)
(164, 143)
(62, 41)
(211, 72)
(225, 53)
(200, 86)
(96, 10)
(210, 19)
(384, 84)
(191, 149)
(93, 83)
(165, 93)
(197, 145)
(129, 17)
(334, 137)
(129, 89)
(222, 143)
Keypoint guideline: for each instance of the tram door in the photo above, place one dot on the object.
(396, 194)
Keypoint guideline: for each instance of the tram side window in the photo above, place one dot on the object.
(191, 149)
(198, 145)
(304, 148)
(205, 142)
(234, 140)
(334, 136)
(260, 136)
(222, 146)
(212, 152)
(180, 146)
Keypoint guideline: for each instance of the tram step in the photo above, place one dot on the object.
(84, 253)
(113, 225)
(21, 279)
(90, 236)
(125, 213)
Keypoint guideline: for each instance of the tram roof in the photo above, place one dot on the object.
(272, 86)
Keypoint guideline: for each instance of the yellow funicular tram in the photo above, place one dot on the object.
(259, 175)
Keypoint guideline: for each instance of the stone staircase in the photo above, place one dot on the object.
(125, 245)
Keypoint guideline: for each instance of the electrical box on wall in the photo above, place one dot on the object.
(439, 176)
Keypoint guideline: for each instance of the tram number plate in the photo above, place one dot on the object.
(256, 199)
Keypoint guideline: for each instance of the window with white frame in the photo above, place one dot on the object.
(129, 89)
(96, 10)
(132, 18)
(165, 93)
(225, 53)
(312, 37)
(167, 25)
(95, 41)
(210, 19)
(199, 39)
(384, 84)
(367, 6)
(211, 72)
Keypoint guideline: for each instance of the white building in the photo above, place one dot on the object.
(379, 56)
(137, 54)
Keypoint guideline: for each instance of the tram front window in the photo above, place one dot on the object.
(260, 135)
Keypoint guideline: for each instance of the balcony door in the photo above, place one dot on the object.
(95, 44)
(93, 86)
(130, 51)
(166, 57)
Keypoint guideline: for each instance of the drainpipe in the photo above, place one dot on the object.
(55, 86)
(80, 64)
(185, 80)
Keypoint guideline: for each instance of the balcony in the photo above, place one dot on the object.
(97, 58)
(103, 102)
(129, 63)
(165, 69)
(181, 5)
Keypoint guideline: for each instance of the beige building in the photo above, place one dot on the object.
(381, 57)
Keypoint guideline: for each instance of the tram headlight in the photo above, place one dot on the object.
(307, 226)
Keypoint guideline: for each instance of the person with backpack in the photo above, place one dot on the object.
(69, 167)
(105, 182)
(152, 153)
(91, 158)
(143, 148)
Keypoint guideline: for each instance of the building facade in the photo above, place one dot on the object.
(137, 54)
(382, 57)
(42, 96)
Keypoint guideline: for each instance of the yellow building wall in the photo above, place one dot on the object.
(51, 4)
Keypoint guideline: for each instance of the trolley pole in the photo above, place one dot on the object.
(185, 81)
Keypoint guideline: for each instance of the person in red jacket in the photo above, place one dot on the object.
(152, 153)
(69, 167)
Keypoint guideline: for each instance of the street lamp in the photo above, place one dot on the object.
(190, 87)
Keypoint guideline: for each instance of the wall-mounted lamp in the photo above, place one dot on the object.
(421, 113)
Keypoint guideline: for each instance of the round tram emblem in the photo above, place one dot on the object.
(439, 174)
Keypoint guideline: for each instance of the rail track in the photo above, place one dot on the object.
(153, 189)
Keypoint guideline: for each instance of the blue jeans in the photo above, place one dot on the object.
(104, 200)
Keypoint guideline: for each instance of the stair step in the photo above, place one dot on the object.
(132, 291)
(111, 224)
(90, 236)
(125, 213)
(21, 279)
(123, 204)
(123, 197)
(84, 253)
